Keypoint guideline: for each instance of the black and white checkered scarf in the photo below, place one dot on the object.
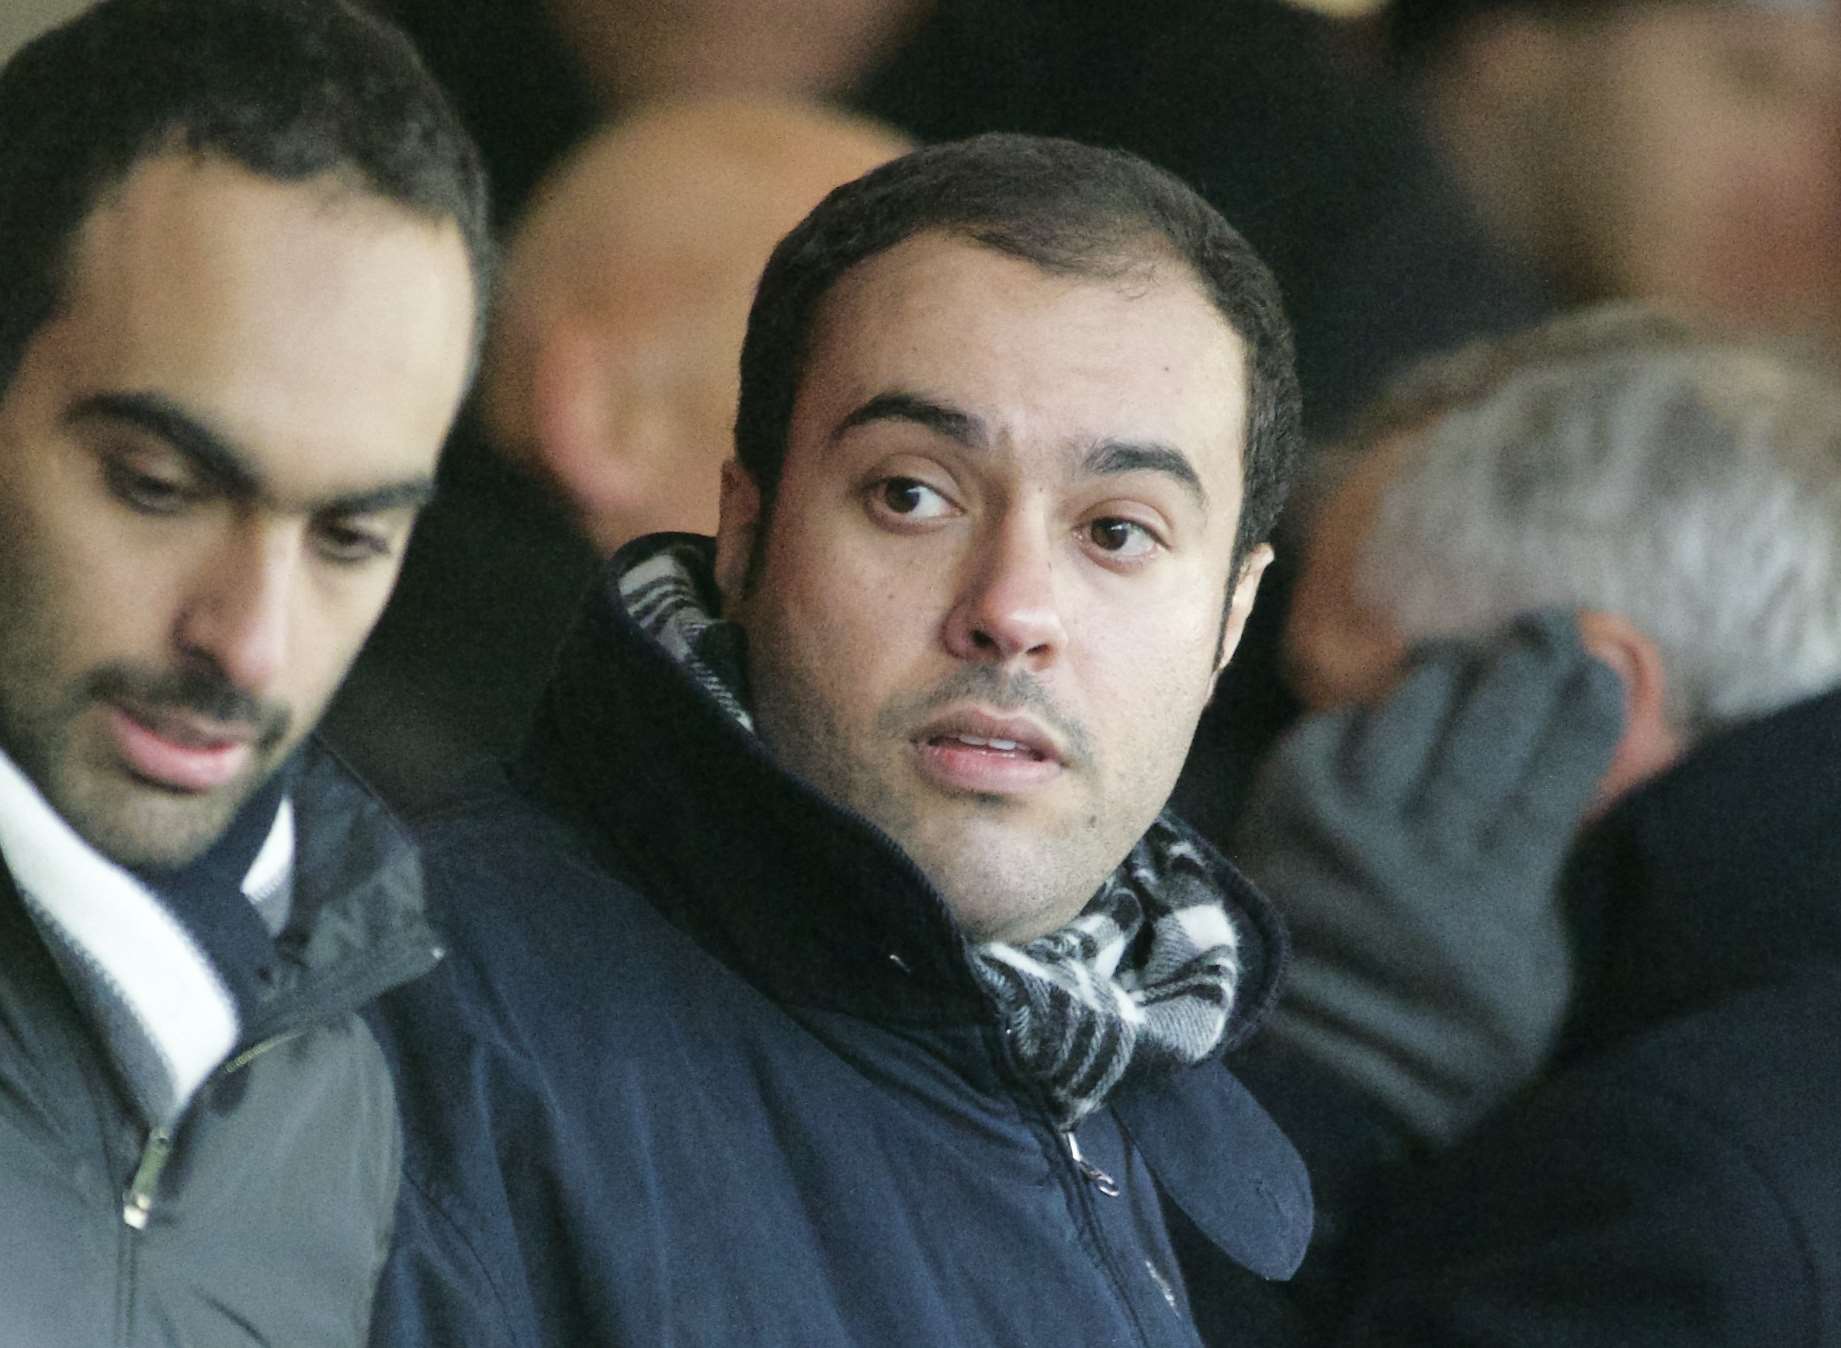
(1136, 986)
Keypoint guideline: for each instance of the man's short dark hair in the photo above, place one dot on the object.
(1067, 208)
(288, 89)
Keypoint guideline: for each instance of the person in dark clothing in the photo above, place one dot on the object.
(1516, 158)
(830, 973)
(244, 252)
(1239, 99)
(1617, 1057)
(1672, 1179)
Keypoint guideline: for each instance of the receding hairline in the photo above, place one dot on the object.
(1139, 271)
(1148, 262)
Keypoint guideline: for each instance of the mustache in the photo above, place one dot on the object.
(201, 691)
(1001, 691)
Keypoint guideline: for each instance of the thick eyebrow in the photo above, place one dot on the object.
(1106, 458)
(210, 454)
(1129, 456)
(410, 494)
(938, 417)
(222, 463)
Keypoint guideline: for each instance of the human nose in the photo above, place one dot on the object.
(1007, 609)
(239, 614)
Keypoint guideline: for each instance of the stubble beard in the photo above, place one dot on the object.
(1029, 888)
(135, 823)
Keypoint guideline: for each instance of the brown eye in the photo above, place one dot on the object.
(902, 495)
(1121, 538)
(908, 499)
(1113, 535)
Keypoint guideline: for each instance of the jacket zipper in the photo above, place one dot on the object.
(137, 1200)
(1104, 1256)
(1098, 1178)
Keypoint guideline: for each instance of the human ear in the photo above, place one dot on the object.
(1650, 743)
(738, 524)
(1240, 607)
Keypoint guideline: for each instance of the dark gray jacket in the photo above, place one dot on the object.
(269, 1216)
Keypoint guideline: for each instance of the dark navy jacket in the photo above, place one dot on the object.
(1676, 1182)
(707, 1065)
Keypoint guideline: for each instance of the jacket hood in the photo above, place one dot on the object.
(679, 798)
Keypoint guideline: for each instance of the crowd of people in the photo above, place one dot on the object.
(920, 673)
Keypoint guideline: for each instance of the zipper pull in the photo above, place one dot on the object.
(137, 1202)
(1094, 1175)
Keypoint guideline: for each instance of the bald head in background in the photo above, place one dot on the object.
(612, 366)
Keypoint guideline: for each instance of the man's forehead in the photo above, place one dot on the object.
(976, 336)
(938, 274)
(268, 303)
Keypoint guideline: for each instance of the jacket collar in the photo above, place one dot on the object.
(358, 926)
(1718, 875)
(814, 904)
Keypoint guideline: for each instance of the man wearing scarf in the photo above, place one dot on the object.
(238, 245)
(829, 971)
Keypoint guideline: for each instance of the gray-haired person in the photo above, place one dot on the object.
(1563, 885)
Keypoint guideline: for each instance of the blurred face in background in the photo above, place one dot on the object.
(1337, 648)
(1693, 152)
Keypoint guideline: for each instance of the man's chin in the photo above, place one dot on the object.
(1005, 893)
(146, 826)
(1011, 918)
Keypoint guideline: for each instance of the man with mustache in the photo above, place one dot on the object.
(832, 974)
(243, 246)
